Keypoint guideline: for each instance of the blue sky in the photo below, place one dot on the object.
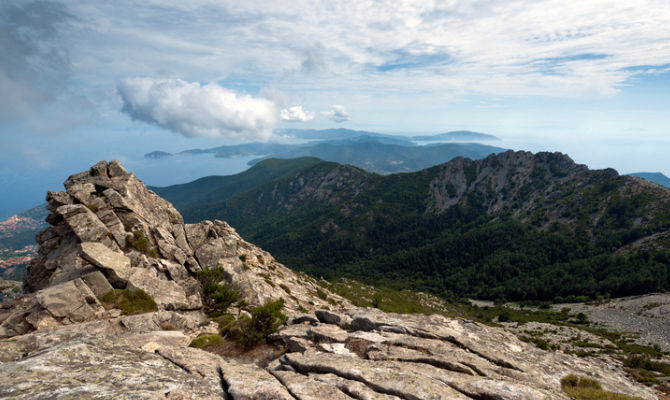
(87, 80)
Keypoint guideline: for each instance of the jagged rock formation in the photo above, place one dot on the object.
(65, 344)
(88, 250)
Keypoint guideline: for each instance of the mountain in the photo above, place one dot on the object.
(238, 150)
(211, 189)
(377, 156)
(115, 307)
(458, 136)
(327, 134)
(158, 154)
(515, 225)
(655, 177)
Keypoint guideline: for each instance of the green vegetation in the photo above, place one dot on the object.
(539, 342)
(130, 302)
(219, 294)
(581, 388)
(265, 319)
(285, 288)
(390, 300)
(218, 290)
(214, 189)
(206, 340)
(556, 237)
(141, 243)
(645, 370)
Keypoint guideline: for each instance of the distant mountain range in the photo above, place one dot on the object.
(371, 151)
(514, 225)
(458, 136)
(655, 177)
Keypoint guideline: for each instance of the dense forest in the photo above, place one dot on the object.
(515, 226)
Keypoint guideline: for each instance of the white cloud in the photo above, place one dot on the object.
(296, 114)
(337, 113)
(196, 110)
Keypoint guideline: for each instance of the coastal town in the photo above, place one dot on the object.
(17, 242)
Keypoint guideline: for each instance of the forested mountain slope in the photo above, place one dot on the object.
(516, 225)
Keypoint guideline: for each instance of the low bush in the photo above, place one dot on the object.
(581, 388)
(130, 302)
(141, 243)
(265, 319)
(203, 341)
(219, 292)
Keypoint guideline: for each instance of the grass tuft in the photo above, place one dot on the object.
(581, 388)
(129, 302)
(206, 340)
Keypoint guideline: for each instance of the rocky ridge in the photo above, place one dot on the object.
(61, 342)
(88, 250)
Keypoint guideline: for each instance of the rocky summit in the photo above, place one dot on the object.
(108, 231)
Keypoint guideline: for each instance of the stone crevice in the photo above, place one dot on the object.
(350, 376)
(496, 361)
(225, 386)
(176, 363)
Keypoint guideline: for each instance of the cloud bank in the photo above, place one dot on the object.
(196, 110)
(34, 64)
(337, 113)
(296, 114)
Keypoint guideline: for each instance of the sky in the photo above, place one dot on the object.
(89, 80)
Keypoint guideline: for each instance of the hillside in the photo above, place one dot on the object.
(217, 188)
(515, 225)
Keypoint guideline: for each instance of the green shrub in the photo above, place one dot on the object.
(219, 292)
(243, 257)
(260, 259)
(539, 342)
(582, 318)
(141, 243)
(286, 288)
(503, 316)
(581, 388)
(129, 302)
(645, 362)
(265, 319)
(203, 341)
(224, 321)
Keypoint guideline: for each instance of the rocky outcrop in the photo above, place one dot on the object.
(108, 231)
